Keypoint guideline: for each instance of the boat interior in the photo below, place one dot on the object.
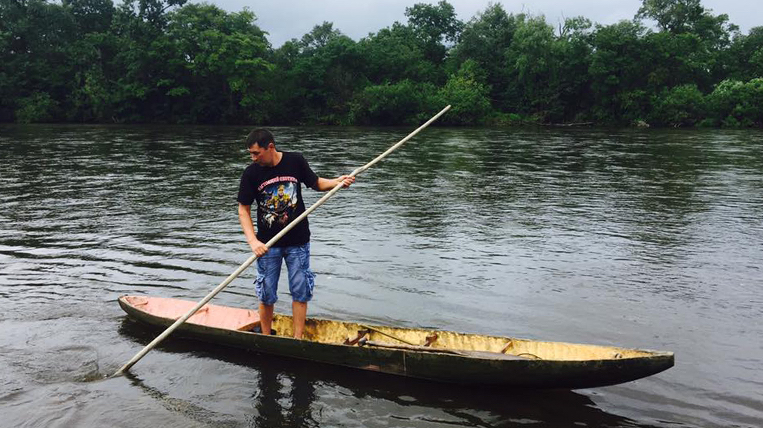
(414, 339)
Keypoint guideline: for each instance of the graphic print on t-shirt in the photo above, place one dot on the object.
(277, 199)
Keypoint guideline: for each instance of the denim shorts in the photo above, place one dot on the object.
(301, 278)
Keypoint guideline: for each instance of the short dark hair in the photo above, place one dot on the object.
(261, 137)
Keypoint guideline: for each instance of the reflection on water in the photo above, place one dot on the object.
(640, 238)
(298, 401)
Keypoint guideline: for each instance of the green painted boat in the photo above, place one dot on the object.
(444, 356)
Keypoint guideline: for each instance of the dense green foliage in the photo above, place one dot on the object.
(171, 62)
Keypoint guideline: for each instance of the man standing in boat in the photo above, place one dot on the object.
(273, 178)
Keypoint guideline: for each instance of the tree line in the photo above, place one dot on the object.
(167, 61)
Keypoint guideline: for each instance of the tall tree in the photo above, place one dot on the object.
(532, 67)
(394, 54)
(140, 26)
(573, 52)
(436, 26)
(744, 58)
(318, 76)
(35, 36)
(485, 39)
(216, 65)
(435, 23)
(620, 68)
(675, 16)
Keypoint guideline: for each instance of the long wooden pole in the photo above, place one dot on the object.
(269, 244)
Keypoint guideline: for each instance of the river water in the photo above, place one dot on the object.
(636, 238)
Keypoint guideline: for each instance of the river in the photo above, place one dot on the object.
(636, 238)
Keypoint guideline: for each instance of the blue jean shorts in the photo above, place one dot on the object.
(301, 278)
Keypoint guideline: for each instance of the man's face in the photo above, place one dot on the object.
(262, 156)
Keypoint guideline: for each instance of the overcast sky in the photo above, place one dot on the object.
(287, 19)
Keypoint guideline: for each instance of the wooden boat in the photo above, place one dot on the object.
(444, 356)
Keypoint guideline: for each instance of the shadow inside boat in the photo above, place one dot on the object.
(285, 393)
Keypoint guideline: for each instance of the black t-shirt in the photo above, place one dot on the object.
(278, 192)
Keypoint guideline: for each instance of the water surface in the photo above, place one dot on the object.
(648, 239)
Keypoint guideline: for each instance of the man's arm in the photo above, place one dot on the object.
(326, 184)
(245, 218)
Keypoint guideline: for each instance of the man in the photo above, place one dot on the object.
(274, 180)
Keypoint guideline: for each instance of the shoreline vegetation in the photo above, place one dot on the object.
(675, 64)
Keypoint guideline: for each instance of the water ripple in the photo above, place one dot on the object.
(636, 238)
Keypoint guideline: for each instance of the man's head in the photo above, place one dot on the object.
(262, 147)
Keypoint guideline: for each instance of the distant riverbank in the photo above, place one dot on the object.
(162, 61)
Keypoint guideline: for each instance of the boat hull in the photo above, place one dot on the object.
(460, 368)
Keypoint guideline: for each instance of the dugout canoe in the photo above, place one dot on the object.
(444, 356)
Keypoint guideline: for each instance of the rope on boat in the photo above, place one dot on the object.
(388, 335)
(532, 355)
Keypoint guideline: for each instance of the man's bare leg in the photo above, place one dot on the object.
(299, 313)
(266, 317)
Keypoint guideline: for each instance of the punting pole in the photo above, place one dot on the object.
(269, 244)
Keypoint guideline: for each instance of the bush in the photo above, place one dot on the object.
(679, 106)
(468, 97)
(39, 107)
(737, 104)
(404, 102)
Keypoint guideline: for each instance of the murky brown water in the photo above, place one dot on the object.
(650, 239)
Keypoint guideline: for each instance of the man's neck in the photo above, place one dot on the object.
(277, 159)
